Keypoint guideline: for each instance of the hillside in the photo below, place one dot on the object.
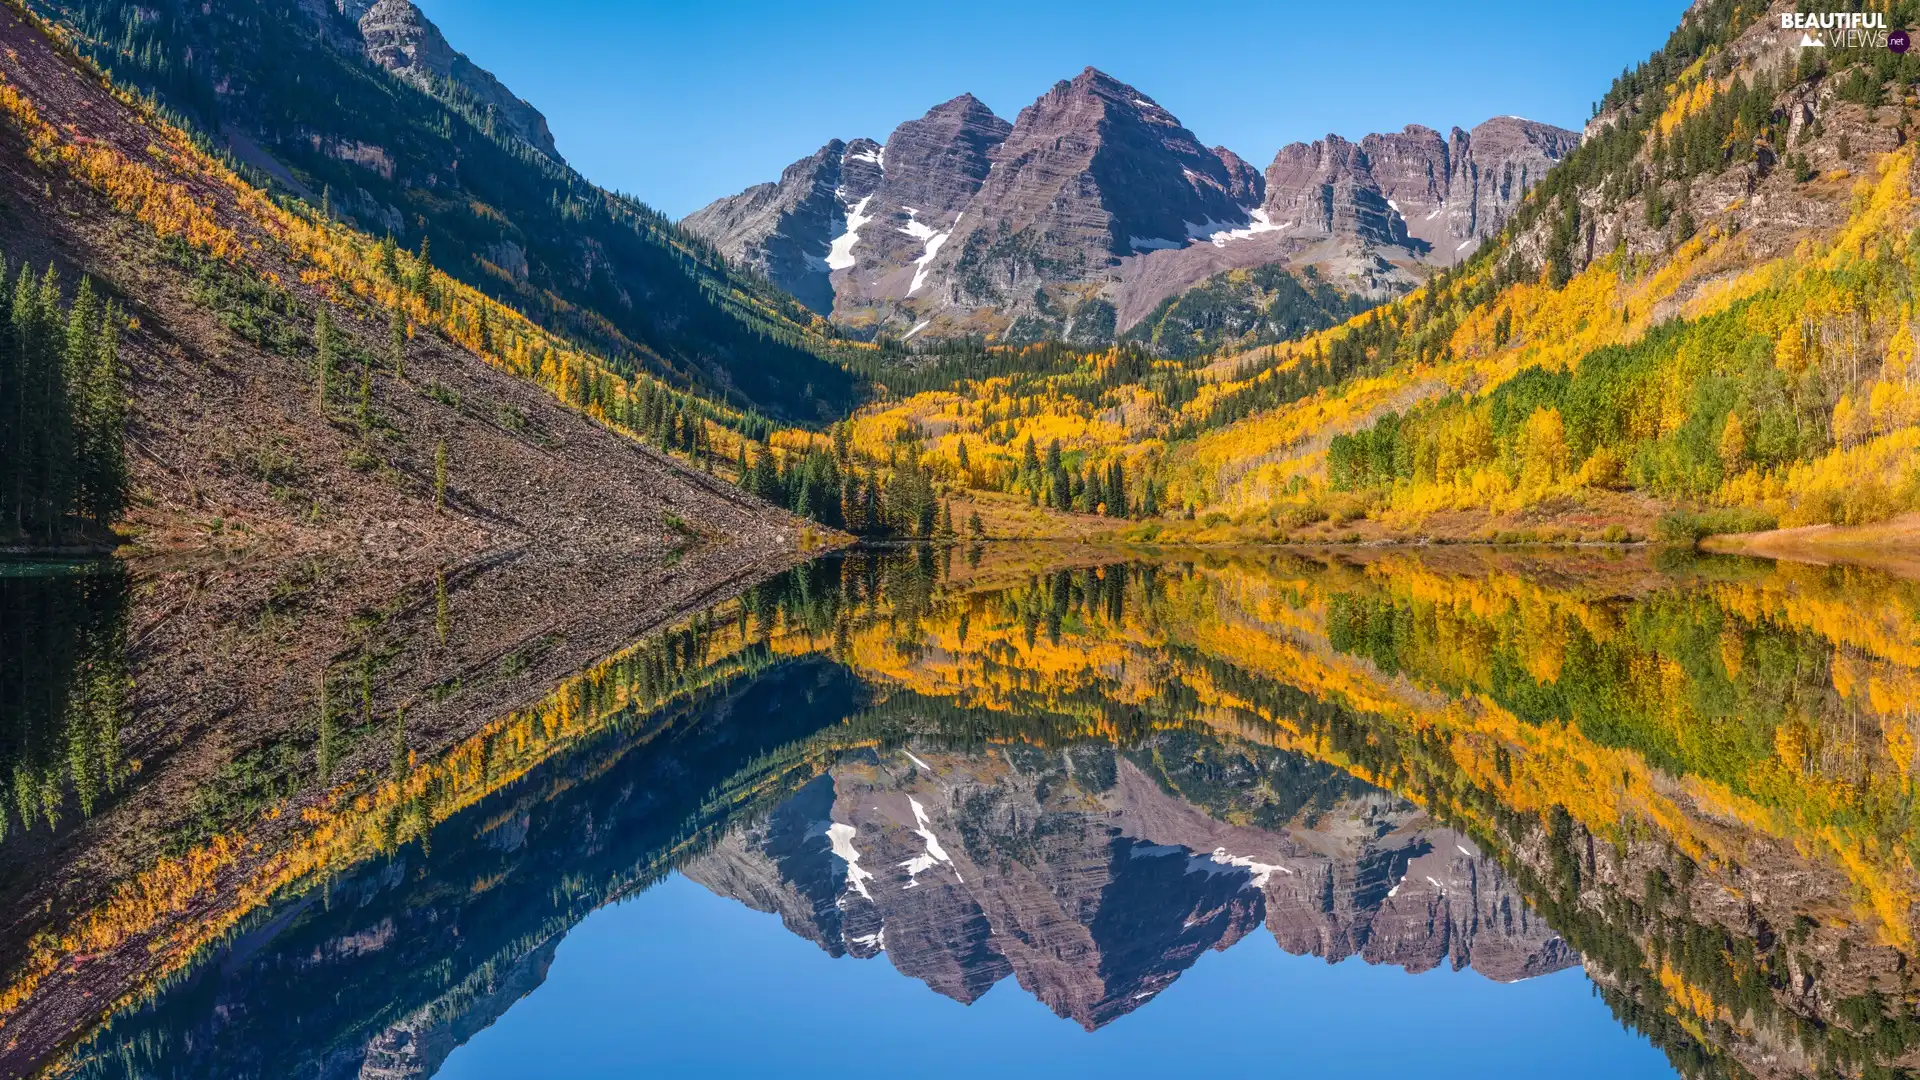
(413, 140)
(241, 435)
(1701, 317)
(369, 510)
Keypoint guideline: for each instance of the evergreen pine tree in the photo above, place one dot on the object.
(389, 259)
(52, 417)
(423, 270)
(323, 348)
(397, 341)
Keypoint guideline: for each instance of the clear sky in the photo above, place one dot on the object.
(679, 982)
(683, 102)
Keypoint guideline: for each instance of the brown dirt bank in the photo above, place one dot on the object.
(1892, 546)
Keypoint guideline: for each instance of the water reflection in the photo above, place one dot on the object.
(1084, 771)
(66, 699)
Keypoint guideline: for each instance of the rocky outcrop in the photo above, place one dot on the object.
(1412, 188)
(400, 38)
(1494, 166)
(857, 223)
(1092, 172)
(932, 169)
(1326, 188)
(414, 1048)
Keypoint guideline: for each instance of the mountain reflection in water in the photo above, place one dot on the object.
(1079, 773)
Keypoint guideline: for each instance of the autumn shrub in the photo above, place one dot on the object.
(1340, 507)
(1689, 526)
(1298, 515)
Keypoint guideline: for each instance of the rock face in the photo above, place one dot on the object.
(789, 230)
(1082, 877)
(1096, 206)
(932, 169)
(858, 221)
(400, 38)
(1413, 188)
(1325, 188)
(415, 1047)
(1494, 166)
(1092, 172)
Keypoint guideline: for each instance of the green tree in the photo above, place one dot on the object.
(397, 341)
(323, 345)
(389, 258)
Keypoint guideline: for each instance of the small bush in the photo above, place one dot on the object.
(1689, 526)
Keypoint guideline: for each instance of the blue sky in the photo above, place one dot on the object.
(679, 982)
(681, 103)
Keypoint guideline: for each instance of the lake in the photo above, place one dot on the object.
(1047, 811)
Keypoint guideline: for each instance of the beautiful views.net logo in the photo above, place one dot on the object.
(1842, 29)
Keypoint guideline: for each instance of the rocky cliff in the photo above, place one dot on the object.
(1096, 207)
(400, 38)
(1413, 188)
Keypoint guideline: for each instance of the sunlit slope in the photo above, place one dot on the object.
(1707, 306)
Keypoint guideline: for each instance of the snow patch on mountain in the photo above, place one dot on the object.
(1218, 234)
(840, 252)
(1219, 862)
(840, 836)
(935, 855)
(934, 241)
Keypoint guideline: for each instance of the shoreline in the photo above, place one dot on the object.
(1892, 546)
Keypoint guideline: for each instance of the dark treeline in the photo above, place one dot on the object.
(943, 364)
(62, 410)
(1070, 483)
(897, 500)
(64, 691)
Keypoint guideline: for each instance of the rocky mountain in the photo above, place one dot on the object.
(780, 229)
(1081, 875)
(401, 39)
(1096, 207)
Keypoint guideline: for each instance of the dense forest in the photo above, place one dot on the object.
(63, 410)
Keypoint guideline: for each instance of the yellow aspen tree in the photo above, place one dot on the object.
(1543, 448)
(1733, 445)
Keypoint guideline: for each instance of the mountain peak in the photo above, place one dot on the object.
(963, 103)
(1092, 80)
(399, 37)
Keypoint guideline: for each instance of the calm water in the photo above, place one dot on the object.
(1465, 812)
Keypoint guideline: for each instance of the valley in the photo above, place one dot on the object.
(1023, 556)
